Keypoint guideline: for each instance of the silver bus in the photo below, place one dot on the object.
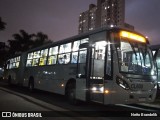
(108, 66)
(156, 54)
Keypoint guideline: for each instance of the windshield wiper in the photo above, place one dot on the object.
(144, 53)
(133, 49)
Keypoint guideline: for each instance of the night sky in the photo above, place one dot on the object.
(59, 18)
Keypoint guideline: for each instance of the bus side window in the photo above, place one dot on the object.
(29, 63)
(82, 56)
(43, 57)
(74, 57)
(52, 60)
(35, 62)
(42, 61)
(64, 58)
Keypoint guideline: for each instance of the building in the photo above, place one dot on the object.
(105, 14)
(87, 19)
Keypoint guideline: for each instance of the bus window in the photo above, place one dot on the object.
(44, 53)
(100, 50)
(36, 54)
(43, 57)
(17, 64)
(8, 64)
(134, 58)
(76, 46)
(29, 59)
(53, 51)
(52, 55)
(74, 57)
(42, 61)
(65, 48)
(64, 58)
(52, 60)
(85, 40)
(13, 63)
(82, 56)
(35, 62)
(30, 56)
(29, 63)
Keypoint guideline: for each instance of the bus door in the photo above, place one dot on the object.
(97, 65)
(82, 72)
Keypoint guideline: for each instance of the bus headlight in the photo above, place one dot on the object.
(102, 89)
(155, 86)
(94, 89)
(122, 83)
(97, 89)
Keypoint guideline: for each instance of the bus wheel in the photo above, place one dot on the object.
(71, 95)
(31, 85)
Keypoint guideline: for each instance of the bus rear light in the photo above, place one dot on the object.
(122, 83)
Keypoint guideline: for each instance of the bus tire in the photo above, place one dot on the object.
(71, 97)
(71, 94)
(31, 84)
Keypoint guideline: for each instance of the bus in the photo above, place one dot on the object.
(108, 66)
(156, 54)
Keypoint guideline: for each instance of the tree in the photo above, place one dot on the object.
(3, 53)
(22, 42)
(2, 24)
(40, 39)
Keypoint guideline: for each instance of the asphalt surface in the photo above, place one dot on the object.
(19, 99)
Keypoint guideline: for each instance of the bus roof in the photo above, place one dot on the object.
(81, 36)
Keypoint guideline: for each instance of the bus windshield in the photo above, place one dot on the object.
(135, 58)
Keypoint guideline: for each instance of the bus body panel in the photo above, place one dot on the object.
(50, 78)
(81, 89)
(12, 75)
(54, 78)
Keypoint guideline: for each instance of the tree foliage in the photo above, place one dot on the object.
(40, 39)
(21, 42)
(24, 41)
(2, 24)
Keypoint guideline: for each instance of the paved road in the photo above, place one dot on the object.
(18, 99)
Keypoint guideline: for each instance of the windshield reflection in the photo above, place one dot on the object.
(135, 58)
